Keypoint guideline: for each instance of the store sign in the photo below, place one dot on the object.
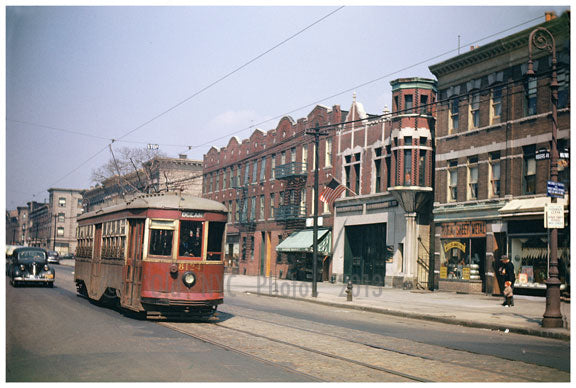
(443, 272)
(454, 244)
(464, 229)
(554, 216)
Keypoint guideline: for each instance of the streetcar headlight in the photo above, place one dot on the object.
(189, 279)
(22, 267)
(46, 268)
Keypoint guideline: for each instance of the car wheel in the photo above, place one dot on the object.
(13, 283)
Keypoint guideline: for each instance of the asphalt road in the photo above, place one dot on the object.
(54, 335)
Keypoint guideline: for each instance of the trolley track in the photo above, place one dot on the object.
(328, 354)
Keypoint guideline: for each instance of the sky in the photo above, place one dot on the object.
(190, 77)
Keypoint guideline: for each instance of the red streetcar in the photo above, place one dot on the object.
(161, 254)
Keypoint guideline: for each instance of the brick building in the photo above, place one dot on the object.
(267, 183)
(493, 139)
(382, 225)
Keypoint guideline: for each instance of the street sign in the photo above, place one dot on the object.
(556, 189)
(554, 216)
(542, 154)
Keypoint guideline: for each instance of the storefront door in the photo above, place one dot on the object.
(365, 254)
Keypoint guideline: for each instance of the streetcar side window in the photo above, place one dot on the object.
(215, 238)
(161, 242)
(190, 239)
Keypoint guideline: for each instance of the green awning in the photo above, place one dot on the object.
(302, 241)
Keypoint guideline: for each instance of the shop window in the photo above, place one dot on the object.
(529, 184)
(530, 96)
(473, 177)
(454, 116)
(474, 118)
(494, 174)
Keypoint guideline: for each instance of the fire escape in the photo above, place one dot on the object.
(292, 210)
(246, 223)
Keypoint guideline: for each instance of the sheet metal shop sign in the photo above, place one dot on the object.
(556, 189)
(554, 216)
(464, 229)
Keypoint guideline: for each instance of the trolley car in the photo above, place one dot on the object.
(158, 254)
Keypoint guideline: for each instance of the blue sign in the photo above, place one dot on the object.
(556, 189)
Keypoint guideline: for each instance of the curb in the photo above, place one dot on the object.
(425, 317)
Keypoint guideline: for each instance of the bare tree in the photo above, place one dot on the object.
(125, 160)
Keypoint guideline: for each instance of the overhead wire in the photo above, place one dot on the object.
(200, 91)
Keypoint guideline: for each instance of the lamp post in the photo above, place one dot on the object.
(543, 39)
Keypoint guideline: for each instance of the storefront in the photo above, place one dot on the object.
(463, 256)
(298, 252)
(528, 243)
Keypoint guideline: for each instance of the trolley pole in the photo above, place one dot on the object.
(543, 39)
(316, 133)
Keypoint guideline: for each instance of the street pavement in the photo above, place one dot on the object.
(472, 310)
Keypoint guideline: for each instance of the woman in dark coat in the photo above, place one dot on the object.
(506, 274)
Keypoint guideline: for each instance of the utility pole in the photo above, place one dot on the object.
(316, 133)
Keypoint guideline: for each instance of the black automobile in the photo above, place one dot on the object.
(30, 265)
(53, 257)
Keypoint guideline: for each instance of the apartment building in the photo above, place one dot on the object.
(267, 183)
(493, 141)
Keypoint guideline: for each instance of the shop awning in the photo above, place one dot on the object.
(528, 206)
(302, 241)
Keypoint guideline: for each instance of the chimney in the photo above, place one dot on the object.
(550, 15)
(183, 156)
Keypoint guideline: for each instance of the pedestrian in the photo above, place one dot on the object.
(505, 274)
(508, 294)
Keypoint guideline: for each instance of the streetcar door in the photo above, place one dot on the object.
(133, 274)
(96, 270)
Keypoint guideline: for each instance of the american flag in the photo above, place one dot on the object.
(332, 192)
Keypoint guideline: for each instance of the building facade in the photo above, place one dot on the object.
(493, 139)
(157, 174)
(267, 183)
(382, 225)
(64, 206)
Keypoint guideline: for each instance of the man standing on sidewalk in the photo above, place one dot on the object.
(505, 273)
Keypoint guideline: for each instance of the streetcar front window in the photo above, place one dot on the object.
(215, 238)
(161, 242)
(190, 239)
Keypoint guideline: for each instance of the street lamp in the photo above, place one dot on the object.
(543, 39)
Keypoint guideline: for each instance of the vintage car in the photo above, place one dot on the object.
(30, 265)
(53, 257)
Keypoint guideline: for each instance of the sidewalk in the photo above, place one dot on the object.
(473, 310)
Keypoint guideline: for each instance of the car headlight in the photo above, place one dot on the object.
(189, 279)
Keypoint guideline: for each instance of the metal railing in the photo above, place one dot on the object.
(289, 212)
(290, 170)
